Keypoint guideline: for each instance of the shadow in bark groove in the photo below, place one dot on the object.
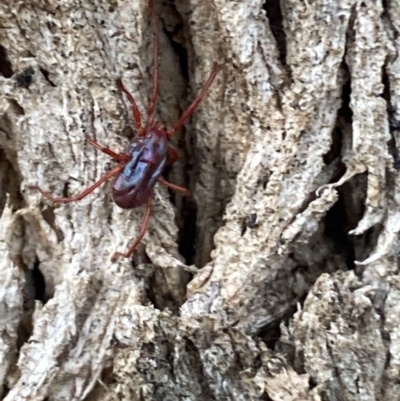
(193, 357)
(5, 63)
(39, 284)
(345, 214)
(34, 290)
(274, 14)
(186, 207)
(337, 226)
(265, 396)
(10, 182)
(270, 334)
(46, 75)
(50, 219)
(394, 122)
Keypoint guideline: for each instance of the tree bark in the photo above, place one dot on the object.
(278, 279)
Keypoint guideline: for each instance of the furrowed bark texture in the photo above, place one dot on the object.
(292, 160)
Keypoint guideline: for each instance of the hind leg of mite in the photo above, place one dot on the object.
(142, 232)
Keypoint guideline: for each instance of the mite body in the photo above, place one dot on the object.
(148, 154)
(141, 167)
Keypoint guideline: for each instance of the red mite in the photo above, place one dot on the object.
(146, 157)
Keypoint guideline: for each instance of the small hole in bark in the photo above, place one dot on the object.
(5, 64)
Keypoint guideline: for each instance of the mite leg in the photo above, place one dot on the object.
(82, 195)
(182, 190)
(107, 151)
(143, 229)
(136, 113)
(195, 102)
(153, 99)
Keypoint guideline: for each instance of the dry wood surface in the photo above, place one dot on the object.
(278, 279)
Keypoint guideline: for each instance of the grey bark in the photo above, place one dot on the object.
(292, 292)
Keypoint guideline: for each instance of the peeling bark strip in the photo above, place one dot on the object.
(293, 161)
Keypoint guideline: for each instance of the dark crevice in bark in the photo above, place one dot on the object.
(187, 233)
(50, 218)
(339, 220)
(188, 211)
(4, 391)
(34, 290)
(387, 17)
(274, 15)
(10, 182)
(39, 284)
(16, 108)
(333, 156)
(394, 120)
(46, 75)
(187, 208)
(178, 49)
(158, 289)
(270, 334)
(5, 64)
(365, 244)
(344, 215)
(25, 326)
(265, 396)
(312, 383)
(193, 360)
(347, 211)
(343, 120)
(5, 165)
(393, 145)
(162, 299)
(345, 113)
(337, 228)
